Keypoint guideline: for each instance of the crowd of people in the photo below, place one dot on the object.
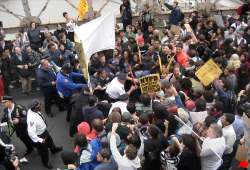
(184, 126)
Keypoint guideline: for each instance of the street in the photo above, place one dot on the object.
(57, 126)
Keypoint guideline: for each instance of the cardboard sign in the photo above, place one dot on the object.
(189, 29)
(208, 72)
(150, 83)
(176, 30)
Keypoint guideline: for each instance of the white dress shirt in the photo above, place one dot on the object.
(211, 153)
(230, 138)
(229, 135)
(36, 126)
(10, 111)
(121, 105)
(115, 89)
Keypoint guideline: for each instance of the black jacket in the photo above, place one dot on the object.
(44, 79)
(189, 160)
(78, 101)
(25, 61)
(91, 113)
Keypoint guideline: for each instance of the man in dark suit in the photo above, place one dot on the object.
(46, 78)
(15, 116)
(21, 63)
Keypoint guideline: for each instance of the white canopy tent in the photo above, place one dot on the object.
(55, 8)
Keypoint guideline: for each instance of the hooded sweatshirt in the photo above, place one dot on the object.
(122, 161)
(91, 113)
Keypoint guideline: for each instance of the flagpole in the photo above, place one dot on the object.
(160, 64)
(170, 62)
(139, 51)
(85, 69)
(189, 128)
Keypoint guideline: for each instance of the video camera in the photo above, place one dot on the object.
(10, 153)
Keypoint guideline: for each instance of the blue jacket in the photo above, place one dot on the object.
(96, 147)
(175, 16)
(65, 85)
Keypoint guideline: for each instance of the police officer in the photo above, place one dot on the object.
(66, 86)
(46, 78)
(37, 130)
(15, 116)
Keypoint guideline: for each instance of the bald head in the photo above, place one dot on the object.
(18, 50)
(45, 64)
(214, 131)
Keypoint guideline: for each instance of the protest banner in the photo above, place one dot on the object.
(198, 116)
(150, 83)
(208, 72)
(219, 20)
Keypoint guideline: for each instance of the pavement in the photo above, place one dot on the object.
(57, 126)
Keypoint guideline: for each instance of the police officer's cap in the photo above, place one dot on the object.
(67, 67)
(6, 98)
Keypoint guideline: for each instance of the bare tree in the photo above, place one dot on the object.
(26, 8)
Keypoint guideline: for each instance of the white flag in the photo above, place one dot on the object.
(97, 35)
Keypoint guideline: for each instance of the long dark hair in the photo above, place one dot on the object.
(189, 142)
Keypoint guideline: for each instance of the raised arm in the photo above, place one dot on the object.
(116, 154)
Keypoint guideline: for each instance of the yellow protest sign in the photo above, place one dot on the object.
(208, 72)
(150, 83)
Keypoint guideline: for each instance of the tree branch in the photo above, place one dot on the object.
(26, 8)
(71, 4)
(43, 9)
(5, 9)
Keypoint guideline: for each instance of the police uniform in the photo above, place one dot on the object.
(37, 130)
(17, 112)
(66, 88)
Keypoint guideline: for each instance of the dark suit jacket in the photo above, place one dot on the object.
(25, 61)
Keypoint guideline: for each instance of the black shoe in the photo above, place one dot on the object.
(48, 165)
(57, 149)
(26, 93)
(50, 114)
(67, 119)
(61, 109)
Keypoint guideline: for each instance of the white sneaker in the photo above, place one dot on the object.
(11, 86)
(23, 160)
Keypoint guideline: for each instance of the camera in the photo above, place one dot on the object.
(10, 153)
